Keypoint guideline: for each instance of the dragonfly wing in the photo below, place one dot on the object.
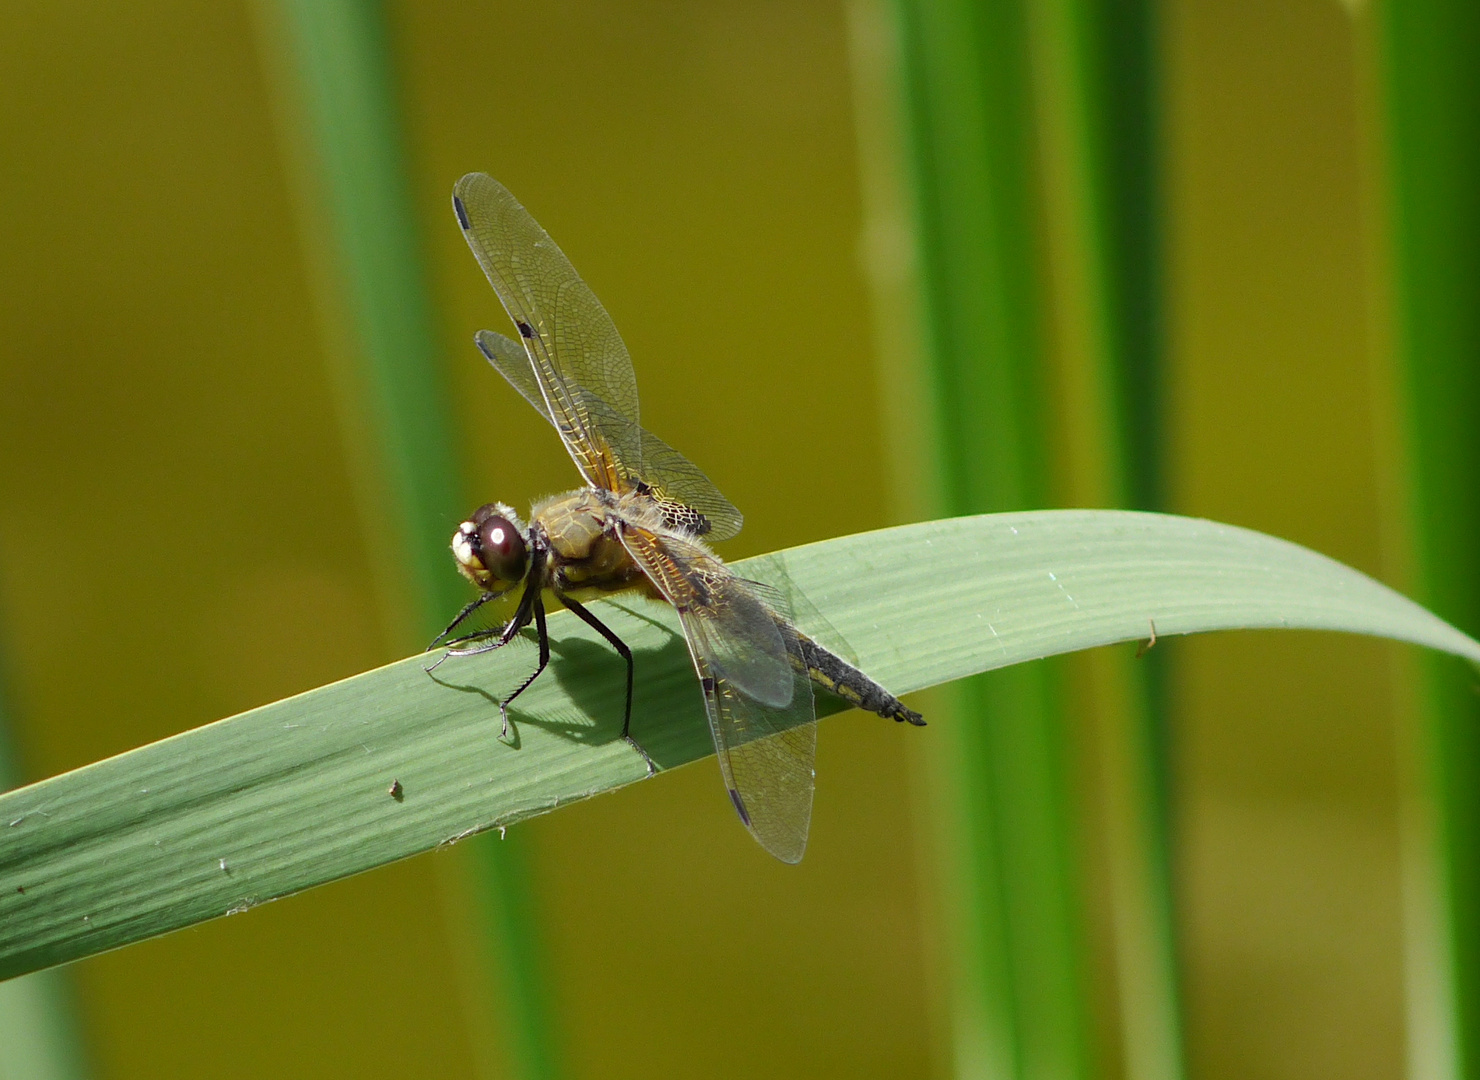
(756, 691)
(767, 767)
(573, 345)
(778, 590)
(675, 481)
(509, 359)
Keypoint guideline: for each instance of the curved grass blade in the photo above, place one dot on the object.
(39, 1033)
(299, 792)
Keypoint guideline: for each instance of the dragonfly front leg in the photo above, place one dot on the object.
(531, 607)
(502, 635)
(468, 609)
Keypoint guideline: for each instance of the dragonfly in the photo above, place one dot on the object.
(641, 524)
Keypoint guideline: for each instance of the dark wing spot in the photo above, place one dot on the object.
(642, 487)
(739, 806)
(462, 215)
(708, 684)
(525, 330)
(677, 515)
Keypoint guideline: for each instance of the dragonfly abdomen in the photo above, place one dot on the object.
(834, 674)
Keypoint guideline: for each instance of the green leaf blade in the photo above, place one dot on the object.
(1004, 588)
(297, 793)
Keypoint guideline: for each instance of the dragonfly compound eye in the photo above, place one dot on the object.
(500, 548)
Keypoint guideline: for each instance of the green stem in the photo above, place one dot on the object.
(1429, 86)
(1096, 84)
(356, 202)
(1019, 1004)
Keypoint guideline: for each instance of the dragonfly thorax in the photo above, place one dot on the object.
(490, 548)
(580, 533)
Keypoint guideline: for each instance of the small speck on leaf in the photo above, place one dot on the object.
(397, 792)
(1149, 644)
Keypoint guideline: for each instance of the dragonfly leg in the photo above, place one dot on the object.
(468, 608)
(539, 624)
(504, 634)
(530, 607)
(626, 654)
(476, 635)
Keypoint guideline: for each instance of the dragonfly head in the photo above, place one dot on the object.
(490, 548)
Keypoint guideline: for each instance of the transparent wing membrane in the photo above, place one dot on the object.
(778, 590)
(756, 690)
(510, 360)
(673, 478)
(571, 341)
(676, 482)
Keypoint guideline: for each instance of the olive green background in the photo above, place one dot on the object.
(174, 482)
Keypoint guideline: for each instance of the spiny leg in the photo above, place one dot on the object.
(539, 625)
(530, 607)
(476, 635)
(626, 654)
(505, 634)
(468, 608)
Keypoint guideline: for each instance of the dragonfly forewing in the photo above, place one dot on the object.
(570, 339)
(671, 476)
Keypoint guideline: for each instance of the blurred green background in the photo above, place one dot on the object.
(188, 496)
